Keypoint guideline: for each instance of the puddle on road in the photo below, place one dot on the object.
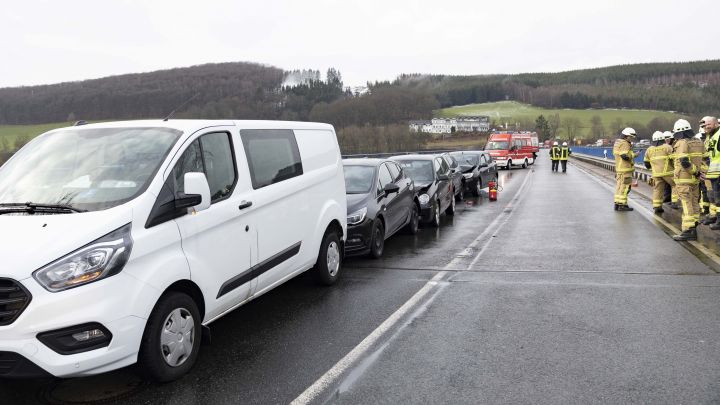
(104, 388)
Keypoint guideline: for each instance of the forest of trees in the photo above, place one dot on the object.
(254, 91)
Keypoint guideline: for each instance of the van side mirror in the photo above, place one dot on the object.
(391, 188)
(197, 192)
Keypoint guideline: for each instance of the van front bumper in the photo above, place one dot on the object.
(113, 303)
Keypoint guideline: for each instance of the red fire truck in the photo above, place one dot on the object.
(513, 148)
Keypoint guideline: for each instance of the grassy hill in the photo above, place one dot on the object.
(512, 112)
(12, 132)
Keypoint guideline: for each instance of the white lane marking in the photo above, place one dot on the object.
(650, 216)
(329, 378)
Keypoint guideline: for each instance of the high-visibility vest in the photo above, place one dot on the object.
(564, 153)
(692, 149)
(555, 153)
(714, 153)
(659, 159)
(623, 147)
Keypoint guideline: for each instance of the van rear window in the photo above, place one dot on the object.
(272, 155)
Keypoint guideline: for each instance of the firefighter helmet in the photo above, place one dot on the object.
(658, 136)
(564, 144)
(555, 143)
(629, 132)
(667, 134)
(681, 125)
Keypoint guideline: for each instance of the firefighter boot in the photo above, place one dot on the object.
(675, 206)
(709, 220)
(658, 210)
(690, 234)
(623, 207)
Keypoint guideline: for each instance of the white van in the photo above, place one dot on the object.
(121, 241)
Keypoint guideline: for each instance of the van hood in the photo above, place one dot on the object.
(29, 242)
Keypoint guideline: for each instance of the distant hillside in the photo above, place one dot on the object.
(241, 90)
(691, 87)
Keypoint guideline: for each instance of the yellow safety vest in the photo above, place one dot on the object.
(555, 153)
(659, 159)
(564, 152)
(712, 150)
(623, 147)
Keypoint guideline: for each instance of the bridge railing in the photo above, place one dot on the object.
(641, 173)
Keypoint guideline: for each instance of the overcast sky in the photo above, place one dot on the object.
(53, 41)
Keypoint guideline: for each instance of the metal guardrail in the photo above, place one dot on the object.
(641, 173)
(385, 155)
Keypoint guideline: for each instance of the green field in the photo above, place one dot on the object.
(11, 132)
(512, 112)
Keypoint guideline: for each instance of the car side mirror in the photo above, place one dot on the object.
(443, 177)
(391, 188)
(197, 192)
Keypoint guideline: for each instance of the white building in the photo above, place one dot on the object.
(450, 125)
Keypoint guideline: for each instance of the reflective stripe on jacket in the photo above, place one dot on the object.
(623, 147)
(659, 159)
(691, 149)
(564, 153)
(555, 153)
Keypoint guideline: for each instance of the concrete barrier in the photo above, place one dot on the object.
(706, 236)
(641, 173)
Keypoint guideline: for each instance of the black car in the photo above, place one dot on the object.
(455, 175)
(432, 182)
(478, 168)
(381, 200)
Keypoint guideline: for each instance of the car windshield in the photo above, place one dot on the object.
(359, 179)
(420, 171)
(86, 168)
(495, 145)
(466, 160)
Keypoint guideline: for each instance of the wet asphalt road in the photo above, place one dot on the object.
(545, 296)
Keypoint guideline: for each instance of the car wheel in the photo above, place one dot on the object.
(509, 164)
(329, 261)
(478, 187)
(377, 242)
(525, 164)
(436, 214)
(414, 223)
(451, 209)
(171, 341)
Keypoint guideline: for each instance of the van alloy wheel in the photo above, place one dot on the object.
(177, 337)
(333, 258)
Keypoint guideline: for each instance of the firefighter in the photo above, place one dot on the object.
(712, 131)
(688, 152)
(624, 168)
(657, 158)
(704, 197)
(555, 156)
(565, 152)
(670, 192)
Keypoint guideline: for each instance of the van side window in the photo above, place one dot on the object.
(210, 154)
(272, 155)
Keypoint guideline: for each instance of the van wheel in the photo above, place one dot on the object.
(451, 208)
(414, 223)
(435, 221)
(329, 261)
(377, 243)
(525, 164)
(171, 341)
(478, 187)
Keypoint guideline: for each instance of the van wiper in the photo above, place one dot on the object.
(32, 208)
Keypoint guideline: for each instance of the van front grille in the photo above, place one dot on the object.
(14, 298)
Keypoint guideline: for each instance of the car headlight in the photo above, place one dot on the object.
(357, 216)
(100, 259)
(424, 199)
(468, 175)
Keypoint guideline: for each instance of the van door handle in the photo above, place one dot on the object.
(245, 204)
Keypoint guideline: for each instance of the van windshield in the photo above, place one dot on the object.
(86, 168)
(495, 145)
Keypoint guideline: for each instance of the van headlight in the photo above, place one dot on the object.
(357, 216)
(424, 198)
(100, 259)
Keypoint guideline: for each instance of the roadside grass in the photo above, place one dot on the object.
(459, 142)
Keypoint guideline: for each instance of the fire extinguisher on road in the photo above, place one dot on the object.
(492, 191)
